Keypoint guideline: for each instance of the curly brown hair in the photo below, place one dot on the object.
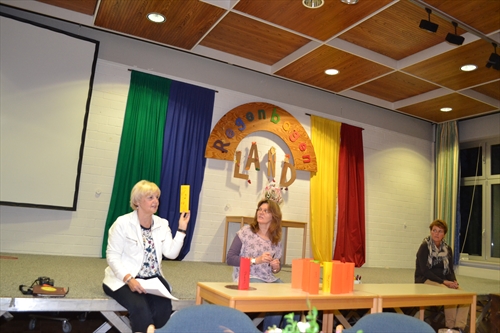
(274, 231)
(441, 224)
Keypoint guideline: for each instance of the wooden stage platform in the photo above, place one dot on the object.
(84, 276)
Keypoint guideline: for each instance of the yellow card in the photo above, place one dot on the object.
(184, 198)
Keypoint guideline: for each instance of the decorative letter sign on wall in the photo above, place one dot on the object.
(252, 117)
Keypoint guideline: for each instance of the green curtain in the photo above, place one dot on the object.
(446, 174)
(141, 145)
(325, 136)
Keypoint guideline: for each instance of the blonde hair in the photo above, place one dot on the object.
(140, 190)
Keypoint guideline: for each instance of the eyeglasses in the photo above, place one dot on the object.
(438, 231)
(265, 211)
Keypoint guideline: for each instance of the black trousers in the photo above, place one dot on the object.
(143, 309)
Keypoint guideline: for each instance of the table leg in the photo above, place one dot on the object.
(328, 322)
(224, 245)
(283, 261)
(304, 241)
(198, 296)
(374, 308)
(473, 314)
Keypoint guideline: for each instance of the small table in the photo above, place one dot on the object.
(280, 297)
(242, 220)
(421, 295)
(109, 308)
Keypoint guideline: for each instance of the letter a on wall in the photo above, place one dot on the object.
(252, 117)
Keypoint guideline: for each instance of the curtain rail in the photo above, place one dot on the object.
(308, 114)
(133, 69)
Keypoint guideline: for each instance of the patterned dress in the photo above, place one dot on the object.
(150, 265)
(253, 246)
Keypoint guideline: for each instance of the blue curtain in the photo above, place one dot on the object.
(187, 129)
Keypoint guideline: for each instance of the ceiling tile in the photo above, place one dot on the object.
(321, 23)
(444, 69)
(251, 39)
(463, 107)
(491, 89)
(395, 32)
(186, 21)
(395, 87)
(482, 15)
(353, 70)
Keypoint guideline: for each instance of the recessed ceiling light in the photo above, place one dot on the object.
(313, 3)
(446, 109)
(468, 68)
(350, 2)
(331, 71)
(156, 17)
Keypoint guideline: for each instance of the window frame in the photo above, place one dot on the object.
(486, 180)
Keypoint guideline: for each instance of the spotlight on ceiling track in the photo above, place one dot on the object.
(454, 38)
(427, 24)
(350, 2)
(313, 3)
(494, 60)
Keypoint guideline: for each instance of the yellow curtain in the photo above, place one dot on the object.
(447, 176)
(325, 136)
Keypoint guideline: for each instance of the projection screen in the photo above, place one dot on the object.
(45, 90)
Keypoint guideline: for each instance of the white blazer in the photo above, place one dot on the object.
(125, 250)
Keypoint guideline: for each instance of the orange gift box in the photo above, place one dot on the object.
(310, 277)
(336, 287)
(342, 277)
(305, 275)
(298, 271)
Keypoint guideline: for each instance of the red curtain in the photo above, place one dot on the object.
(350, 242)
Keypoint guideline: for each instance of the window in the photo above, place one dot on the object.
(480, 200)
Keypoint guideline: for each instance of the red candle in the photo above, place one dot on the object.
(244, 278)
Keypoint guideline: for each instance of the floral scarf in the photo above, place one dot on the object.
(438, 254)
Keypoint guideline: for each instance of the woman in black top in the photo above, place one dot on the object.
(434, 265)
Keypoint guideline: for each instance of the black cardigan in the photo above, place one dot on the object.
(436, 272)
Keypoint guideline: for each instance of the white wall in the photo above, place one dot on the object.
(398, 171)
(479, 128)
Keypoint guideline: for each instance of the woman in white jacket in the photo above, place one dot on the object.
(136, 244)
